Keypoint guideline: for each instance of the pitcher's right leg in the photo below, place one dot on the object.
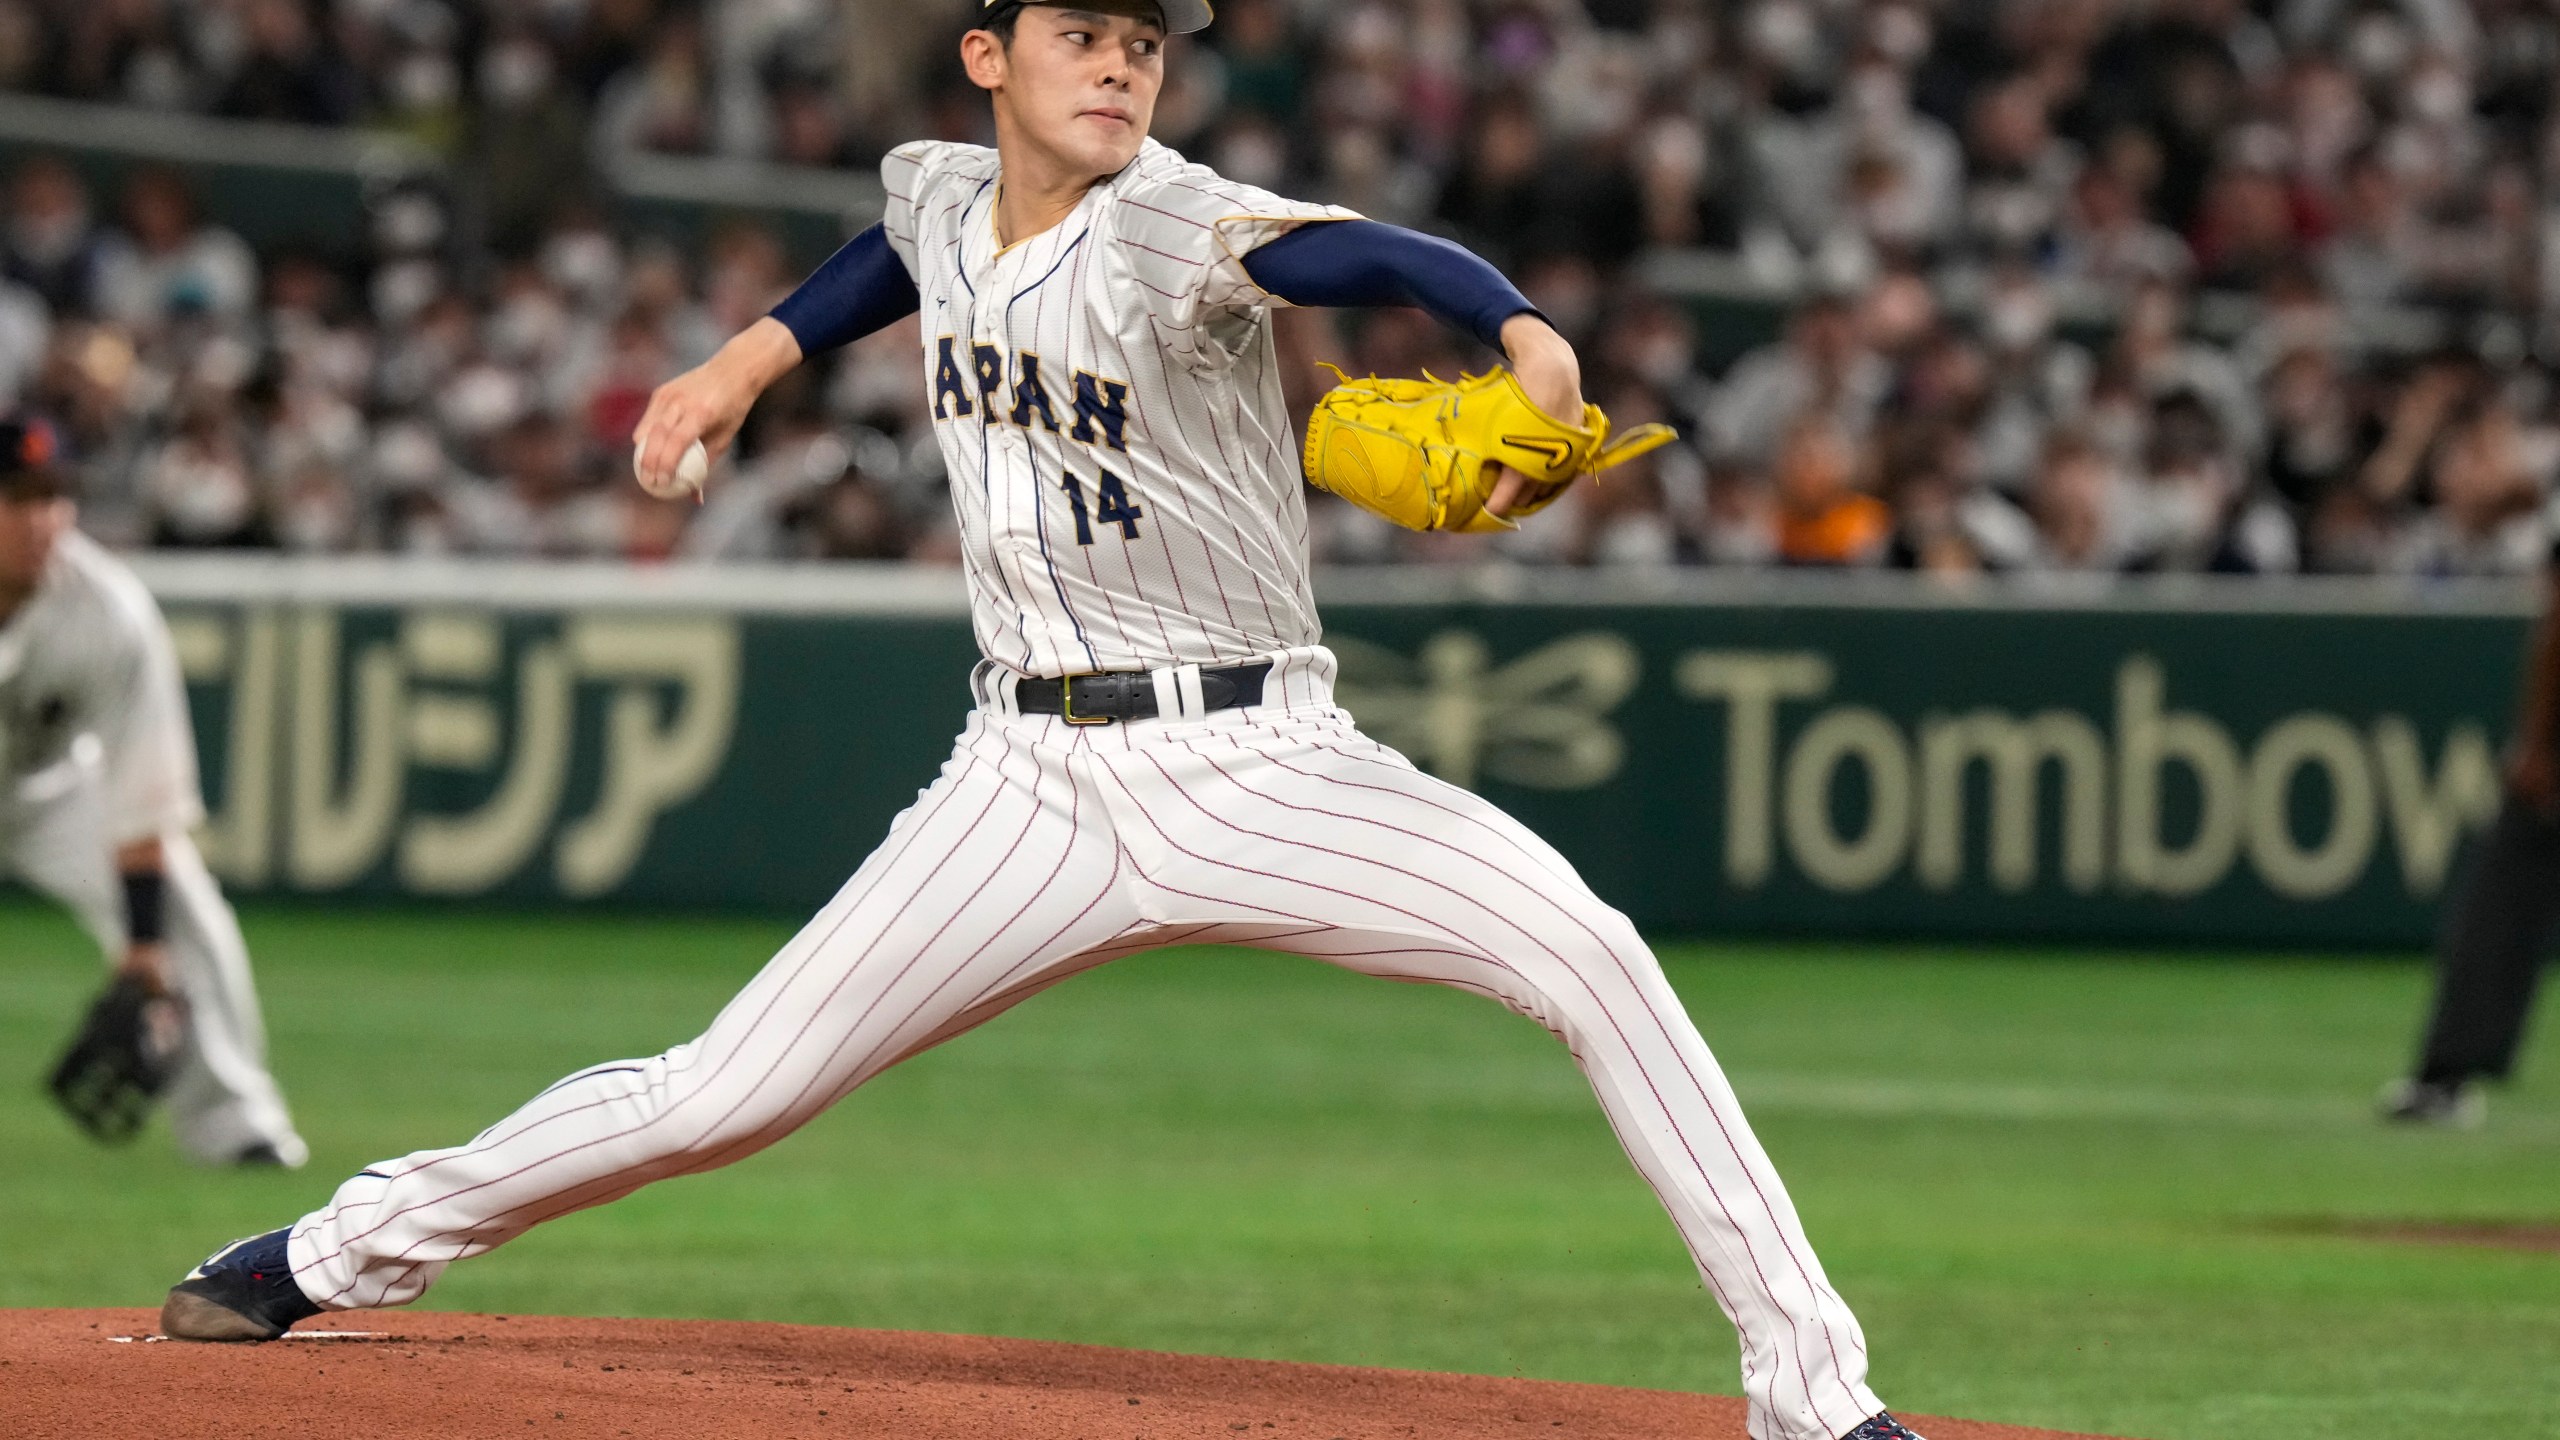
(997, 882)
(1299, 833)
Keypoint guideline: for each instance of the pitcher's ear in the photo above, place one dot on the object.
(984, 55)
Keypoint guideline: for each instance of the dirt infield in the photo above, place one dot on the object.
(87, 1374)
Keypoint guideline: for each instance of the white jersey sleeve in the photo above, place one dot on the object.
(136, 706)
(911, 176)
(1185, 231)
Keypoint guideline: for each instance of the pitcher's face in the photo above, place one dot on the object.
(1080, 81)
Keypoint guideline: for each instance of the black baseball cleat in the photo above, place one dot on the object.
(244, 1293)
(2446, 1104)
(1883, 1427)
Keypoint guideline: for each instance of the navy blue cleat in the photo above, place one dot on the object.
(245, 1292)
(1883, 1427)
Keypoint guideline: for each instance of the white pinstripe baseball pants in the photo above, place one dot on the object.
(1043, 851)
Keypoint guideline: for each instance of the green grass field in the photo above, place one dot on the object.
(2098, 1192)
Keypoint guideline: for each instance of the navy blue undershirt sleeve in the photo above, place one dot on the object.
(862, 288)
(1338, 263)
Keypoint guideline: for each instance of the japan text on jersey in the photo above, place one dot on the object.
(1109, 410)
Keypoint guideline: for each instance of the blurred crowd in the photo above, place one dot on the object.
(2066, 285)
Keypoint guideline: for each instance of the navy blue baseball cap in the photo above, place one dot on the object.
(1181, 17)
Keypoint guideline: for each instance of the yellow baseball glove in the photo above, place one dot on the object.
(1418, 451)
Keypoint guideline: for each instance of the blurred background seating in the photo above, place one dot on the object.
(1961, 286)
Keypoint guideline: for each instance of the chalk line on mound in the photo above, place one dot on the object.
(289, 1335)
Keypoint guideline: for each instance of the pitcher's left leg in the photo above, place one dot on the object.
(1354, 857)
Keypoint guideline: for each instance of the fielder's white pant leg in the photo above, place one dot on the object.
(1303, 835)
(222, 1099)
(995, 885)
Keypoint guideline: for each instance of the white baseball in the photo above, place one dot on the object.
(693, 468)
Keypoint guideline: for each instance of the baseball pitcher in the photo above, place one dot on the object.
(1154, 757)
(97, 796)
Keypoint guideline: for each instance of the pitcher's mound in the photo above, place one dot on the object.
(95, 1374)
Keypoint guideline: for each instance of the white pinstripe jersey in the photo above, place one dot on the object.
(1126, 475)
(87, 661)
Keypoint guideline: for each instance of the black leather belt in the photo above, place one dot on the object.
(1110, 699)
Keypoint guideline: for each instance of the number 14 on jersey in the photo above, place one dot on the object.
(1112, 506)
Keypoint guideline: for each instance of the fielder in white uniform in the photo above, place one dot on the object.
(98, 793)
(1130, 496)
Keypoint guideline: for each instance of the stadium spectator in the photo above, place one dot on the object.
(527, 136)
(2311, 433)
(542, 503)
(2107, 238)
(2379, 252)
(53, 247)
(1824, 367)
(1824, 517)
(166, 266)
(288, 69)
(2080, 511)
(2484, 520)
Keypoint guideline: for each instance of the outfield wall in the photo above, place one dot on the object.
(1788, 755)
